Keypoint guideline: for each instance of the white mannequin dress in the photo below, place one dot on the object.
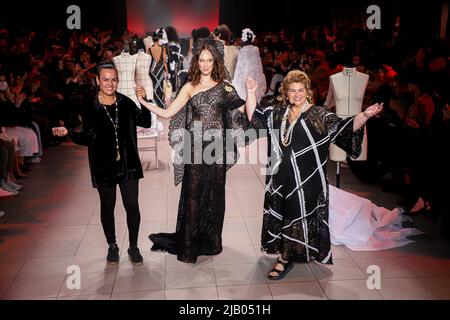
(249, 65)
(126, 67)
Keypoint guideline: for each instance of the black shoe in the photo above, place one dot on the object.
(135, 255)
(113, 254)
(280, 274)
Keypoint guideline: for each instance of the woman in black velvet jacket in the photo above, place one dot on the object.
(109, 132)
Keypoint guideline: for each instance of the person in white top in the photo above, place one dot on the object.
(346, 93)
(125, 64)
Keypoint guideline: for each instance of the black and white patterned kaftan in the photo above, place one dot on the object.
(295, 221)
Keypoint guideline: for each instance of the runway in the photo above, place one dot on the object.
(55, 223)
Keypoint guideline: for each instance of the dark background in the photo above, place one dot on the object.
(420, 21)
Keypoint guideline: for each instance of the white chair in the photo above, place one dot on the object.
(148, 141)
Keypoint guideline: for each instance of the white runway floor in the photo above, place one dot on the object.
(55, 223)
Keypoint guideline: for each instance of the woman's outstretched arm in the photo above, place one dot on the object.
(176, 105)
(361, 118)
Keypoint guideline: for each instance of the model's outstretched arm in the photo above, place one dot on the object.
(176, 105)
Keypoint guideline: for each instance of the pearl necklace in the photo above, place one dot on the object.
(286, 137)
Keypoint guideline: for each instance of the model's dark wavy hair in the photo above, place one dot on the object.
(218, 71)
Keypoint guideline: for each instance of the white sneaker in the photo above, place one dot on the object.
(34, 160)
(5, 187)
(4, 193)
(2, 213)
(13, 185)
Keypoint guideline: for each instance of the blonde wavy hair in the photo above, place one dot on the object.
(292, 77)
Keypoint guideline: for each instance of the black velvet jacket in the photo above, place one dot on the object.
(97, 133)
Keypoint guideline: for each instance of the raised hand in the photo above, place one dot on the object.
(251, 85)
(373, 110)
(60, 131)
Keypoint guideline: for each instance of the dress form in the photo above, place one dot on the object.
(126, 65)
(346, 92)
(142, 77)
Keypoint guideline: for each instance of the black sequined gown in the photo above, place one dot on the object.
(201, 167)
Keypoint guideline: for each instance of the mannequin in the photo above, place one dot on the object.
(148, 41)
(142, 77)
(126, 66)
(346, 93)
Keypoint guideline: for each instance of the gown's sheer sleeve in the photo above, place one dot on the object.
(341, 132)
(179, 139)
(236, 120)
(261, 116)
(238, 129)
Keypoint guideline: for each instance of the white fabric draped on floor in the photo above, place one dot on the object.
(362, 226)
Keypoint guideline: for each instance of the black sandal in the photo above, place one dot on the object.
(287, 266)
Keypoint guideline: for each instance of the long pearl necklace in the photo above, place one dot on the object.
(115, 124)
(286, 137)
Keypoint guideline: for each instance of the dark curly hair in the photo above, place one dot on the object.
(218, 71)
